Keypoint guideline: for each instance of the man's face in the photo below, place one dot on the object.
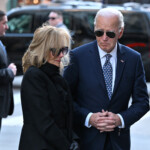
(54, 19)
(107, 24)
(3, 25)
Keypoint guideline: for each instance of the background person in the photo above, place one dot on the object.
(7, 74)
(56, 20)
(103, 75)
(45, 96)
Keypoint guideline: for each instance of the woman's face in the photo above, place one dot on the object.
(55, 60)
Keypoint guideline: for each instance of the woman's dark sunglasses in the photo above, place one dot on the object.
(64, 50)
(100, 33)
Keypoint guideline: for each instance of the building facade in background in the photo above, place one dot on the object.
(6, 5)
(3, 4)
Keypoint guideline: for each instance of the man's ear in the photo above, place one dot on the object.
(121, 33)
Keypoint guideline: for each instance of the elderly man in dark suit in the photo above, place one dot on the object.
(103, 75)
(7, 73)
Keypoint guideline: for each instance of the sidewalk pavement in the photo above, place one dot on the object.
(17, 81)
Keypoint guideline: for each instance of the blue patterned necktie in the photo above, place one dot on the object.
(107, 71)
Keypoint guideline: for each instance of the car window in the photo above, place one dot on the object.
(20, 24)
(40, 17)
(135, 25)
(80, 22)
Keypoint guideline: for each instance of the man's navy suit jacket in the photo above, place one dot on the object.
(6, 90)
(86, 80)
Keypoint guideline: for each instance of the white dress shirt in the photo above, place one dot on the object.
(113, 61)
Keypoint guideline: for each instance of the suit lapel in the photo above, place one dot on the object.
(97, 67)
(121, 61)
(3, 58)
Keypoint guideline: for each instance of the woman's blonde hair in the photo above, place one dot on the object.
(45, 38)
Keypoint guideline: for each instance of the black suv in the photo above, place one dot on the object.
(79, 19)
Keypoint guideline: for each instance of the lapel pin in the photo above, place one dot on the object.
(122, 61)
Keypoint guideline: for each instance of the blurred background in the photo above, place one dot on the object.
(6, 5)
(24, 16)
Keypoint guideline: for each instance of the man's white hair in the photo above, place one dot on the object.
(111, 12)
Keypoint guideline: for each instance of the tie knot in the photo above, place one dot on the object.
(108, 56)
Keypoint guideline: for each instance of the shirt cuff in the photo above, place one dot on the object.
(87, 124)
(122, 122)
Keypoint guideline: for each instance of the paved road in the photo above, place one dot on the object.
(11, 129)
